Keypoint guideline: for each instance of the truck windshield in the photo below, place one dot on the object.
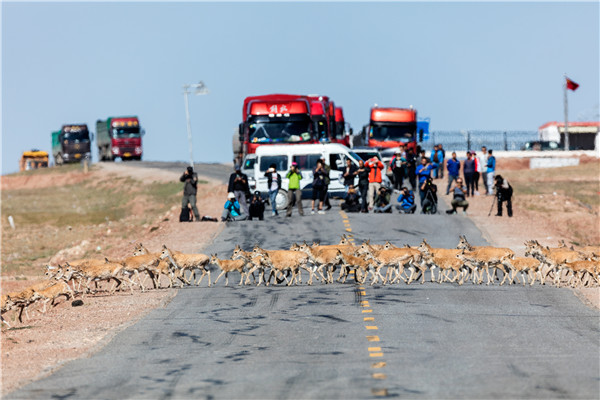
(293, 129)
(80, 136)
(129, 132)
(403, 132)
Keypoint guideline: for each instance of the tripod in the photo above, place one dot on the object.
(493, 202)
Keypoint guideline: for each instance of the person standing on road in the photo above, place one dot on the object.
(274, 184)
(375, 166)
(483, 159)
(477, 172)
(238, 185)
(363, 184)
(469, 172)
(504, 191)
(437, 157)
(398, 166)
(318, 187)
(453, 166)
(411, 166)
(441, 166)
(189, 190)
(294, 193)
(349, 174)
(327, 170)
(491, 171)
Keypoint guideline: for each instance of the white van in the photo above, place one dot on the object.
(306, 156)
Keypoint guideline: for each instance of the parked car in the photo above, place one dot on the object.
(541, 145)
(306, 156)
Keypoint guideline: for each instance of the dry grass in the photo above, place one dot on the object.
(49, 219)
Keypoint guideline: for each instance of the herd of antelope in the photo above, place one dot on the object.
(384, 263)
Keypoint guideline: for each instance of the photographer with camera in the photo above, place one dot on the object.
(429, 192)
(423, 173)
(363, 172)
(232, 211)
(319, 187)
(459, 191)
(382, 201)
(189, 194)
(257, 207)
(351, 202)
(406, 202)
(238, 185)
(504, 192)
(274, 184)
(294, 193)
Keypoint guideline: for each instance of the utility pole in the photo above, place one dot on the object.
(566, 116)
(200, 88)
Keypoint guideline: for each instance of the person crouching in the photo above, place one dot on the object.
(382, 201)
(352, 201)
(257, 207)
(232, 211)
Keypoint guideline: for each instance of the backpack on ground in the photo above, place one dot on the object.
(185, 215)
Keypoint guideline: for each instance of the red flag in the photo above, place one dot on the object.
(571, 85)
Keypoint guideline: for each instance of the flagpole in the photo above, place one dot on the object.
(566, 116)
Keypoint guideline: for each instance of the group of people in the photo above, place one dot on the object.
(370, 194)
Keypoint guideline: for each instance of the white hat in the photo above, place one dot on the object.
(230, 195)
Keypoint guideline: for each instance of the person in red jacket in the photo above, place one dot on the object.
(376, 167)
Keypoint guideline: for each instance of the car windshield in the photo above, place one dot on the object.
(307, 162)
(321, 128)
(249, 163)
(76, 136)
(126, 132)
(281, 162)
(293, 129)
(401, 132)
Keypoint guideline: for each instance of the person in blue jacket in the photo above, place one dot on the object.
(453, 166)
(437, 157)
(232, 211)
(406, 201)
(491, 171)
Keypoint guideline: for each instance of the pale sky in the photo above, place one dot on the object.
(464, 65)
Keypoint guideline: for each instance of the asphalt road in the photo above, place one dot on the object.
(342, 340)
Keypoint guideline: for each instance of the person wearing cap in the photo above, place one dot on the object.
(294, 193)
(274, 184)
(189, 190)
(238, 185)
(232, 211)
(257, 207)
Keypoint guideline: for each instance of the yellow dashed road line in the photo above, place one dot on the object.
(374, 352)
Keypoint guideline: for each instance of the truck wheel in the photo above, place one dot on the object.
(281, 200)
(59, 160)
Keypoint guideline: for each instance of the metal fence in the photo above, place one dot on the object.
(473, 140)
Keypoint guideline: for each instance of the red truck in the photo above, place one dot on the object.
(341, 134)
(273, 119)
(388, 127)
(119, 137)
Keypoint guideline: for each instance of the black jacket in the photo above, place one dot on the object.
(239, 185)
(191, 182)
(349, 180)
(269, 177)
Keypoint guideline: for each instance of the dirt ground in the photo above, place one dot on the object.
(44, 342)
